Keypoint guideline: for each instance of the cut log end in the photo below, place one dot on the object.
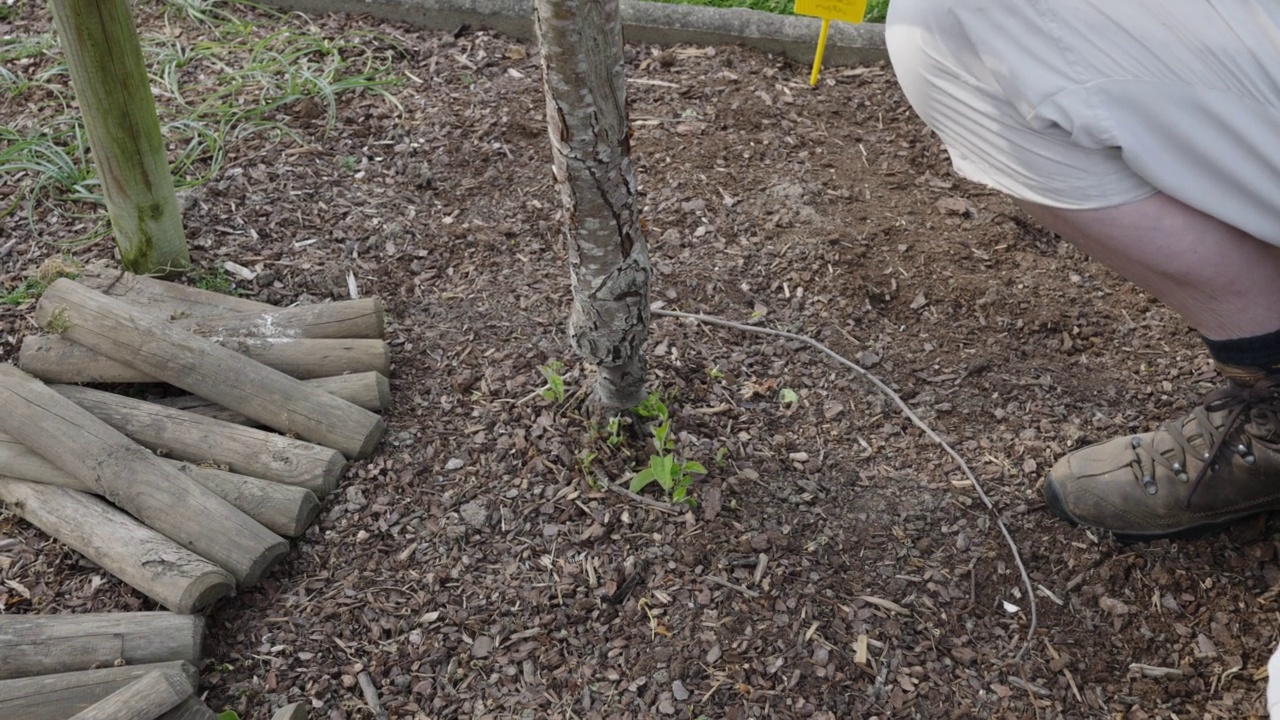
(202, 591)
(327, 482)
(384, 391)
(371, 440)
(308, 510)
(266, 560)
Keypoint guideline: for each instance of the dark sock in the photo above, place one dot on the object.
(1261, 351)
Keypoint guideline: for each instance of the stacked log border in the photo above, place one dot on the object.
(90, 665)
(184, 498)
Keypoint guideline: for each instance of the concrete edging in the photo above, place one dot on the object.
(645, 23)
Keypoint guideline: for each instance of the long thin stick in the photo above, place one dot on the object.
(915, 419)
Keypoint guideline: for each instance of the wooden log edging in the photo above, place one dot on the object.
(342, 319)
(53, 644)
(65, 694)
(134, 479)
(204, 440)
(156, 566)
(165, 299)
(286, 510)
(207, 369)
(56, 359)
(146, 698)
(370, 390)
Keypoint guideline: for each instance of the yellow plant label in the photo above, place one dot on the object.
(850, 11)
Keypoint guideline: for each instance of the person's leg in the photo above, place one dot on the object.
(1222, 281)
(1144, 133)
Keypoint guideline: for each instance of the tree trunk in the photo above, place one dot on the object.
(585, 86)
(110, 81)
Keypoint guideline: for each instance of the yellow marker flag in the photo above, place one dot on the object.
(850, 11)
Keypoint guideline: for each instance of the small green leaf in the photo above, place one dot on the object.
(788, 396)
(693, 466)
(642, 478)
(228, 715)
(663, 467)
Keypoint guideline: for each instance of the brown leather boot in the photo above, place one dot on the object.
(1219, 463)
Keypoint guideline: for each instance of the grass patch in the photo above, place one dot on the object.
(221, 72)
(214, 280)
(876, 9)
(36, 283)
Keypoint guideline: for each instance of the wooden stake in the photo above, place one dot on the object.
(283, 509)
(56, 359)
(144, 699)
(165, 299)
(206, 441)
(48, 644)
(109, 77)
(65, 694)
(159, 568)
(369, 390)
(209, 370)
(131, 477)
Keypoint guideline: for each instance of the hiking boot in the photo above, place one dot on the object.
(1219, 463)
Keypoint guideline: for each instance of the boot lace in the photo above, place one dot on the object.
(1259, 402)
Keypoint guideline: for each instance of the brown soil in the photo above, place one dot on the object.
(474, 572)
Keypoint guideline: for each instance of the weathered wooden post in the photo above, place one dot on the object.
(110, 81)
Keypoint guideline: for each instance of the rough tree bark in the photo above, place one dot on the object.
(585, 86)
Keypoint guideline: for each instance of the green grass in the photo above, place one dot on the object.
(235, 71)
(35, 284)
(214, 280)
(875, 8)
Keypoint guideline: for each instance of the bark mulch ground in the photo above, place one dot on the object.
(838, 564)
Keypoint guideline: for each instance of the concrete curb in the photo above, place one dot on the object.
(644, 23)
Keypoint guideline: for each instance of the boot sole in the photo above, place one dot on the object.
(1057, 506)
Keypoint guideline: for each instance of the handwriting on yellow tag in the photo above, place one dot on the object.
(850, 11)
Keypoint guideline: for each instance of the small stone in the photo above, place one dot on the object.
(678, 689)
(474, 514)
(665, 704)
(1205, 647)
(454, 464)
(964, 655)
(550, 530)
(355, 496)
(868, 359)
(348, 681)
(1113, 606)
(712, 501)
(821, 655)
(760, 542)
(713, 654)
(963, 542)
(482, 647)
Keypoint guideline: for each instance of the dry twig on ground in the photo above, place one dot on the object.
(915, 419)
